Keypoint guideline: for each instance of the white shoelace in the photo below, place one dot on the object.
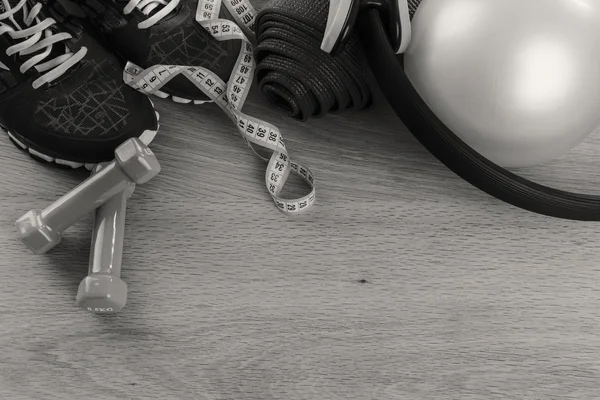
(35, 38)
(147, 6)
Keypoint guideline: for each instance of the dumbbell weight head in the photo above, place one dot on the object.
(33, 231)
(102, 293)
(137, 161)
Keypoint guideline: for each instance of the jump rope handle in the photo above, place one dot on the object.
(343, 15)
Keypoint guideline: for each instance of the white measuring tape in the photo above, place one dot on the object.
(232, 95)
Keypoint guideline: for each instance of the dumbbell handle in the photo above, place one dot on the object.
(107, 238)
(96, 190)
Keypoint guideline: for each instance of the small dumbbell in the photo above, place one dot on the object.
(134, 163)
(103, 291)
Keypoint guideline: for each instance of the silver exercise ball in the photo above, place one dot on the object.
(518, 80)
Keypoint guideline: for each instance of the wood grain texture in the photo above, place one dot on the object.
(403, 283)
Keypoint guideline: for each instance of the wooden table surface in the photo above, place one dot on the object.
(402, 283)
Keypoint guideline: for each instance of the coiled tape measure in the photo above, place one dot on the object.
(232, 95)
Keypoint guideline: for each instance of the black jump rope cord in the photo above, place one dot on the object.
(451, 150)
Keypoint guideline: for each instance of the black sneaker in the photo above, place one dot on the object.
(62, 95)
(150, 33)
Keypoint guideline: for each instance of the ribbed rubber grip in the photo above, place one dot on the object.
(295, 74)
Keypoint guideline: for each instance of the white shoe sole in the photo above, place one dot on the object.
(146, 137)
(162, 95)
